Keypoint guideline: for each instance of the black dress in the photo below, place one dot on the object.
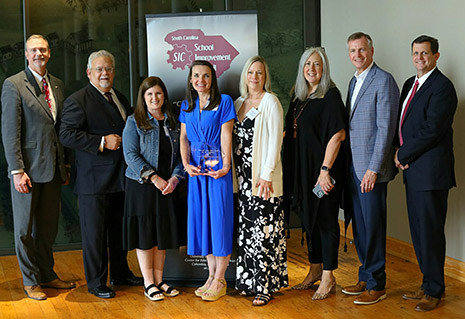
(261, 265)
(150, 217)
(303, 156)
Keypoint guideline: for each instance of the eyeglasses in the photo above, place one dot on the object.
(109, 69)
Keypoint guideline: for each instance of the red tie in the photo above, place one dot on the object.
(47, 94)
(414, 90)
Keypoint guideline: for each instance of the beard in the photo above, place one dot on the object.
(105, 83)
(39, 62)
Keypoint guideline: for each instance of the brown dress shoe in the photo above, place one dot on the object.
(354, 290)
(370, 297)
(414, 295)
(35, 292)
(427, 303)
(58, 284)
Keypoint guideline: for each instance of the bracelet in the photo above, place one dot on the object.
(156, 179)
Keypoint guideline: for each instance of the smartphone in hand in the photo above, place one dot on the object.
(318, 191)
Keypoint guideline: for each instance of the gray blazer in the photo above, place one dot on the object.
(372, 124)
(29, 133)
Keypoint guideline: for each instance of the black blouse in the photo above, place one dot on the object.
(303, 156)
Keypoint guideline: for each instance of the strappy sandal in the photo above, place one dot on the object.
(264, 299)
(199, 291)
(210, 295)
(170, 292)
(155, 295)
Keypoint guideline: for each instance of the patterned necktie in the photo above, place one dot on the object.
(109, 96)
(414, 90)
(47, 94)
(110, 99)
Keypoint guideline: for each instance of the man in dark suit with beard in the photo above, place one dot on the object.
(426, 156)
(92, 124)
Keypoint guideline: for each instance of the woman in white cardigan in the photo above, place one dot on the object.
(261, 261)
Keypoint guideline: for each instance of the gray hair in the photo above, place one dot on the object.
(360, 35)
(36, 37)
(243, 89)
(300, 89)
(98, 54)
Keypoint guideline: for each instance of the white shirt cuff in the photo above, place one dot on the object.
(102, 144)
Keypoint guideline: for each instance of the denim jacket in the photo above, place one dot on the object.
(141, 146)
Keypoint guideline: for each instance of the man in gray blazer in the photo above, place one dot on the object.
(372, 105)
(32, 102)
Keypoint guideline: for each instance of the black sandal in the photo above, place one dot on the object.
(170, 292)
(154, 296)
(261, 297)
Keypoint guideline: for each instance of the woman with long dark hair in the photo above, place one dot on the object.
(207, 119)
(151, 150)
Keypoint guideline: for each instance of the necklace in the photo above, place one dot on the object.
(296, 117)
(255, 101)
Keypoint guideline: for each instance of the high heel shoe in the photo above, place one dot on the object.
(210, 295)
(199, 291)
(303, 286)
(320, 296)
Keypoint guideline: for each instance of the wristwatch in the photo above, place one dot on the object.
(325, 168)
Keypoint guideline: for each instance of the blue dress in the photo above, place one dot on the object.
(209, 201)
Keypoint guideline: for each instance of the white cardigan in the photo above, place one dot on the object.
(266, 144)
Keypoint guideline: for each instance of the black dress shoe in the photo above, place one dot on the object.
(128, 281)
(102, 292)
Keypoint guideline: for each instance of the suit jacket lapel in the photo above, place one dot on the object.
(425, 86)
(111, 112)
(33, 87)
(365, 85)
(122, 99)
(350, 92)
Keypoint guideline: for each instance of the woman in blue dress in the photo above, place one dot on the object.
(207, 119)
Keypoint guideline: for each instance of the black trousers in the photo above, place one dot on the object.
(427, 217)
(323, 243)
(101, 219)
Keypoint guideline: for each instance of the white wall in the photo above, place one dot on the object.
(393, 24)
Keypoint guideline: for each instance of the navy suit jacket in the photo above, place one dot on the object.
(87, 116)
(427, 134)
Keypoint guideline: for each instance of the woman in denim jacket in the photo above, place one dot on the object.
(151, 151)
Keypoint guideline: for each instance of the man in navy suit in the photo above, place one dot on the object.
(92, 124)
(372, 104)
(426, 156)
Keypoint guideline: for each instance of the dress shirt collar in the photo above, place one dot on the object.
(113, 94)
(39, 77)
(361, 77)
(423, 78)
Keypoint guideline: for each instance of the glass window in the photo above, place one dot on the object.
(81, 28)
(280, 37)
(11, 62)
(75, 28)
